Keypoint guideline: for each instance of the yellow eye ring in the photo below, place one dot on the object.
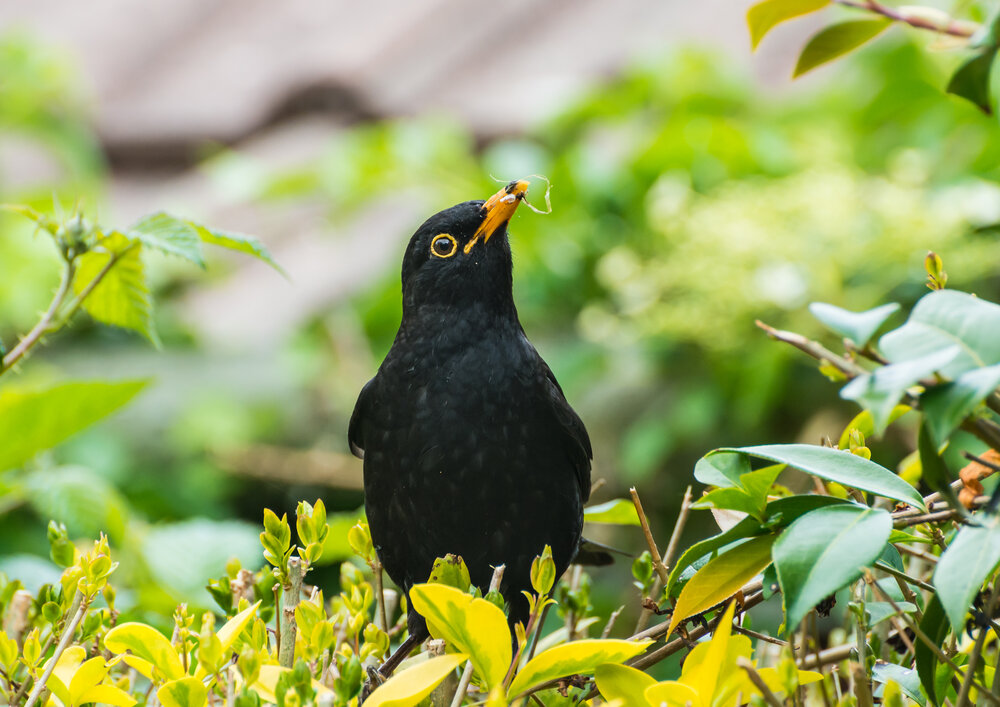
(444, 245)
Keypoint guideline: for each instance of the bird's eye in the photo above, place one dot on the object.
(444, 245)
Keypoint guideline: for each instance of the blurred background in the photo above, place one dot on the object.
(695, 188)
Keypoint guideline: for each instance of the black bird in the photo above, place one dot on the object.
(469, 445)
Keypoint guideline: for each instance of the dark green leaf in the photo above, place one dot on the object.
(763, 16)
(946, 405)
(934, 471)
(935, 626)
(825, 550)
(880, 391)
(969, 560)
(906, 678)
(835, 465)
(721, 469)
(859, 327)
(943, 319)
(170, 235)
(836, 40)
(972, 80)
(36, 419)
(879, 611)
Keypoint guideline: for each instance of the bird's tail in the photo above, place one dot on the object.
(595, 554)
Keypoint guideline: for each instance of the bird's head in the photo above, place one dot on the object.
(461, 256)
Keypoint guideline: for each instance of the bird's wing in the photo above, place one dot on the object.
(575, 435)
(357, 419)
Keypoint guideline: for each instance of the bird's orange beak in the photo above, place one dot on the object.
(498, 209)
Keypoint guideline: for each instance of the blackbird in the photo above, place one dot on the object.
(469, 445)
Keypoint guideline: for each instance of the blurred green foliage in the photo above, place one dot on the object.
(688, 202)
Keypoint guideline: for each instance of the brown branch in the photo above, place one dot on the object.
(758, 682)
(815, 349)
(949, 25)
(661, 571)
(668, 558)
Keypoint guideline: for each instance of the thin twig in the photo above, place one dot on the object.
(977, 649)
(759, 636)
(463, 685)
(758, 681)
(80, 603)
(815, 349)
(948, 25)
(668, 558)
(42, 327)
(661, 571)
(611, 621)
(888, 569)
(382, 619)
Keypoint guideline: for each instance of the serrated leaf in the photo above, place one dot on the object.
(722, 577)
(943, 319)
(572, 658)
(764, 16)
(239, 242)
(859, 327)
(836, 40)
(969, 560)
(470, 625)
(835, 465)
(824, 551)
(618, 512)
(945, 406)
(147, 643)
(121, 298)
(169, 235)
(412, 685)
(36, 419)
(972, 80)
(880, 392)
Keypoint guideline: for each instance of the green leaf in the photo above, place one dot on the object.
(721, 469)
(185, 692)
(946, 405)
(836, 40)
(619, 512)
(859, 327)
(879, 611)
(412, 685)
(763, 16)
(169, 235)
(972, 79)
(147, 643)
(835, 465)
(722, 577)
(933, 470)
(824, 551)
(470, 625)
(620, 682)
(451, 572)
(573, 658)
(935, 626)
(36, 419)
(964, 566)
(780, 512)
(239, 242)
(228, 634)
(81, 499)
(946, 318)
(864, 423)
(880, 391)
(732, 499)
(121, 298)
(906, 678)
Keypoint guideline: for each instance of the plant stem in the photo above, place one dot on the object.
(661, 571)
(758, 682)
(463, 685)
(668, 558)
(950, 26)
(977, 649)
(43, 325)
(291, 593)
(80, 604)
(381, 620)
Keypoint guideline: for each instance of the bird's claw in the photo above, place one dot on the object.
(375, 678)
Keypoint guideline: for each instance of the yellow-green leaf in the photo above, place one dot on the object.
(763, 16)
(572, 658)
(414, 684)
(620, 682)
(186, 692)
(704, 674)
(267, 680)
(618, 511)
(836, 40)
(472, 626)
(141, 665)
(121, 298)
(228, 634)
(147, 643)
(721, 577)
(86, 676)
(673, 694)
(107, 695)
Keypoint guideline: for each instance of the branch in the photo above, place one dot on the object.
(81, 604)
(758, 682)
(44, 324)
(661, 571)
(291, 593)
(946, 25)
